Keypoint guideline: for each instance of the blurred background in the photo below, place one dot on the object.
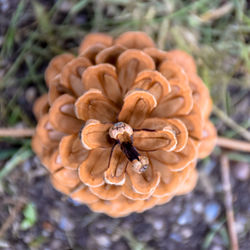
(35, 216)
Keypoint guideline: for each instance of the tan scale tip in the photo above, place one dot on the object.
(141, 165)
(120, 128)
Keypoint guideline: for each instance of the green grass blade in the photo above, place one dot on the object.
(9, 38)
(20, 156)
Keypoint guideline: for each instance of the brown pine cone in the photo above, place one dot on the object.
(123, 123)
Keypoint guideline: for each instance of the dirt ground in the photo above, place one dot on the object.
(194, 221)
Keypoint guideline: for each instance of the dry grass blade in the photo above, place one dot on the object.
(217, 13)
(231, 123)
(16, 132)
(228, 202)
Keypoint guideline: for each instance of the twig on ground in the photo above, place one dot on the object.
(221, 141)
(231, 123)
(16, 132)
(214, 14)
(233, 144)
(228, 202)
(15, 211)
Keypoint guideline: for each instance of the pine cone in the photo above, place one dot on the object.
(123, 123)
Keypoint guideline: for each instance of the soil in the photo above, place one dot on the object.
(186, 222)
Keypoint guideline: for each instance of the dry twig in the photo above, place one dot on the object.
(16, 132)
(233, 144)
(228, 202)
(18, 207)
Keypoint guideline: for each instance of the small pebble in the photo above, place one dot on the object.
(74, 202)
(27, 166)
(55, 244)
(240, 224)
(115, 236)
(4, 244)
(176, 208)
(30, 94)
(158, 225)
(66, 224)
(186, 232)
(4, 4)
(198, 207)
(186, 217)
(176, 237)
(212, 211)
(242, 171)
(103, 240)
(45, 233)
(28, 238)
(216, 247)
(65, 6)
